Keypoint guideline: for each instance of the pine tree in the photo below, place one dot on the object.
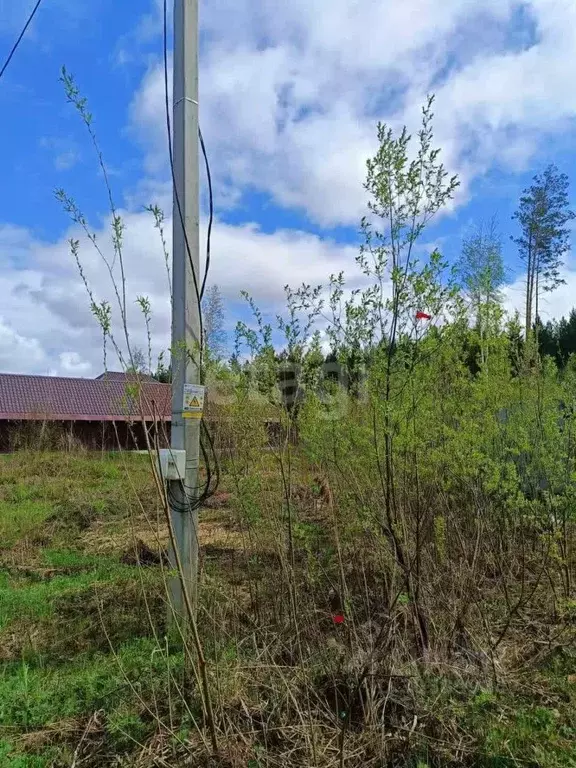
(547, 336)
(543, 215)
(567, 337)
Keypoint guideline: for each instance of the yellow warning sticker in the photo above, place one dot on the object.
(193, 405)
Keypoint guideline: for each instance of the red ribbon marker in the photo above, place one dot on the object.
(423, 316)
(338, 619)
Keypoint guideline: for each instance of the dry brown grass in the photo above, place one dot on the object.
(289, 686)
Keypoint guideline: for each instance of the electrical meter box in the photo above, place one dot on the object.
(171, 464)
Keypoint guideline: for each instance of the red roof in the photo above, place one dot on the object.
(113, 398)
(121, 376)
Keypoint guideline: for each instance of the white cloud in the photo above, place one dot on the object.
(507, 103)
(290, 93)
(244, 257)
(46, 323)
(18, 353)
(551, 306)
(66, 160)
(72, 364)
(64, 151)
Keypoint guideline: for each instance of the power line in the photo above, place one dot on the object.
(19, 40)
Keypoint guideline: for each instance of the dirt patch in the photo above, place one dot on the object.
(220, 534)
(219, 500)
(108, 538)
(141, 554)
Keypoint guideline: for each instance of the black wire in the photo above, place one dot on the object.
(215, 456)
(211, 215)
(208, 490)
(190, 491)
(19, 40)
(199, 294)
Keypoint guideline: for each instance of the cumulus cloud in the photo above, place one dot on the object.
(290, 94)
(45, 319)
(46, 325)
(19, 353)
(551, 306)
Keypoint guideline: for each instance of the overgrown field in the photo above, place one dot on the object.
(90, 678)
(389, 581)
(86, 669)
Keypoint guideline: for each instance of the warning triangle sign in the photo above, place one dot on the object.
(194, 402)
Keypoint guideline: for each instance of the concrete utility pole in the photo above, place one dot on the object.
(186, 422)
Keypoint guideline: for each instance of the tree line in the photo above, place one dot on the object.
(542, 240)
(543, 219)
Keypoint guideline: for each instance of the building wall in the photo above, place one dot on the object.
(112, 436)
(71, 435)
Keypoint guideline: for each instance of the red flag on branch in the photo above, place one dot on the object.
(423, 316)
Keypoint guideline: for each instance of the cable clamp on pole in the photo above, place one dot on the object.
(185, 98)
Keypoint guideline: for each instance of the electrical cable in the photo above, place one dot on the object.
(210, 216)
(20, 37)
(175, 502)
(193, 504)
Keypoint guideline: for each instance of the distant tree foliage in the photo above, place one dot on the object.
(213, 314)
(139, 364)
(480, 266)
(163, 372)
(481, 272)
(557, 338)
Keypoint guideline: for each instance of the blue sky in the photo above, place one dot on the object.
(43, 145)
(290, 97)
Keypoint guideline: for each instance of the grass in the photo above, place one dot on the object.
(20, 518)
(33, 600)
(74, 632)
(88, 673)
(40, 703)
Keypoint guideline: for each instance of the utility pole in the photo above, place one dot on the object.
(185, 433)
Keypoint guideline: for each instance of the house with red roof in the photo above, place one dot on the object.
(115, 410)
